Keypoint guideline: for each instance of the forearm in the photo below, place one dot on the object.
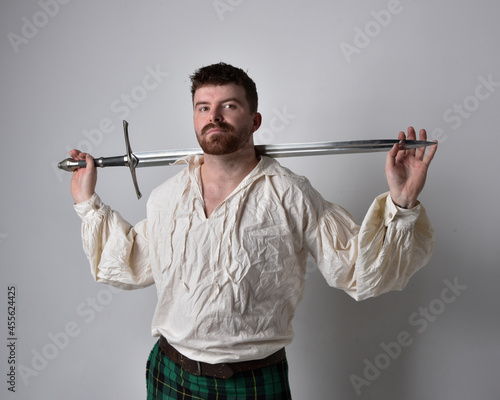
(381, 255)
(117, 251)
(393, 244)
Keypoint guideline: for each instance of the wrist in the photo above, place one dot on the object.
(403, 203)
(82, 198)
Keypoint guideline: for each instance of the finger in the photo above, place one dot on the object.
(411, 136)
(74, 154)
(430, 154)
(390, 160)
(411, 133)
(78, 155)
(422, 135)
(401, 147)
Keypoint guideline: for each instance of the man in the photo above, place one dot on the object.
(226, 240)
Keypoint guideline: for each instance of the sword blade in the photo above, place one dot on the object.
(169, 157)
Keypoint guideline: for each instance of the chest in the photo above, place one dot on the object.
(247, 240)
(214, 195)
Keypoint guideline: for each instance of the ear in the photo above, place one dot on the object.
(257, 121)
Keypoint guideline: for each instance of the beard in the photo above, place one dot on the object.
(221, 143)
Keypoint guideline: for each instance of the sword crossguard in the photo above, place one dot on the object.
(132, 160)
(128, 160)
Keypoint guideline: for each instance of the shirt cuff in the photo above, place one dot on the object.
(86, 208)
(393, 213)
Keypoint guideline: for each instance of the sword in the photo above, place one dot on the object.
(169, 157)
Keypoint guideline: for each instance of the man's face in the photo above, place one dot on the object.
(222, 119)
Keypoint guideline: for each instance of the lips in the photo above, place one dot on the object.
(210, 129)
(215, 130)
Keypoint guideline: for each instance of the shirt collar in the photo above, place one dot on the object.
(266, 166)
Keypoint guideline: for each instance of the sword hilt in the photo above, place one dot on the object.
(70, 165)
(128, 160)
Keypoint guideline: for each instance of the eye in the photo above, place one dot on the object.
(203, 108)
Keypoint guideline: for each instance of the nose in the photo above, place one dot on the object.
(215, 115)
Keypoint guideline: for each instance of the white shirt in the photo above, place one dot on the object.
(228, 285)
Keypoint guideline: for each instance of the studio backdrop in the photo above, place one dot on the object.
(72, 71)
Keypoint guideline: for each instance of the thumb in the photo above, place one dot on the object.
(90, 161)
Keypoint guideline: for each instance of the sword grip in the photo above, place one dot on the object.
(70, 165)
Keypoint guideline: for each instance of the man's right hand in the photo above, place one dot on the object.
(84, 179)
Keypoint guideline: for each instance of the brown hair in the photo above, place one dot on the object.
(222, 74)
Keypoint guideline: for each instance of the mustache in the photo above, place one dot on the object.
(219, 125)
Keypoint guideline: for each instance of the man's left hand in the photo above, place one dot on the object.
(406, 170)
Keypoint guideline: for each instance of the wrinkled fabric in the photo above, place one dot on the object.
(228, 285)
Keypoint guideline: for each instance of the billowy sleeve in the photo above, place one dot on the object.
(117, 251)
(380, 255)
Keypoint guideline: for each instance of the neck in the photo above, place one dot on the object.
(229, 169)
(221, 175)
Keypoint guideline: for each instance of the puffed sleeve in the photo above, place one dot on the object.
(379, 256)
(117, 251)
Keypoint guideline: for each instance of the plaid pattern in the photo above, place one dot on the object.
(166, 380)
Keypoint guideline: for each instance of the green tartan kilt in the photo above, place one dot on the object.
(166, 380)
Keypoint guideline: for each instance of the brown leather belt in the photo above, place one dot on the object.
(223, 370)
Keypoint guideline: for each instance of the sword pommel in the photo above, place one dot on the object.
(70, 165)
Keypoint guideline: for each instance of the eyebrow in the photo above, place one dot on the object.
(199, 103)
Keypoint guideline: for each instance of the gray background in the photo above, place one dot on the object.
(64, 69)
